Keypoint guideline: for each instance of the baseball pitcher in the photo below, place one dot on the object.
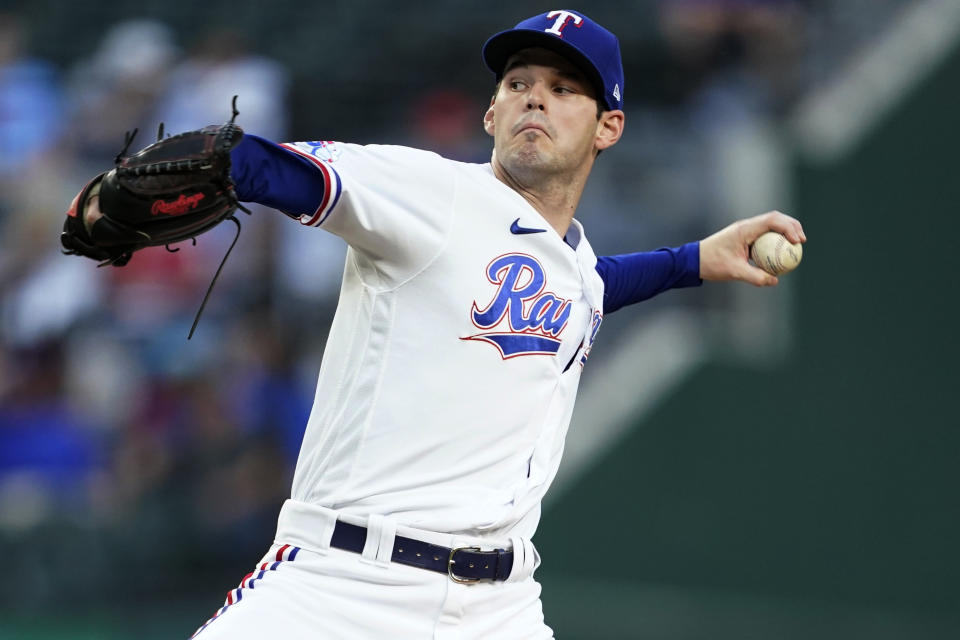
(471, 298)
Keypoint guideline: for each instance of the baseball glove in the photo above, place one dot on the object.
(171, 191)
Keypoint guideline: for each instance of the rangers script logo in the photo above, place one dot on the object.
(522, 319)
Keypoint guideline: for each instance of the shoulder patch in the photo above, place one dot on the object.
(326, 150)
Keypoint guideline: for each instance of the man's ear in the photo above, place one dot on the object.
(488, 117)
(609, 129)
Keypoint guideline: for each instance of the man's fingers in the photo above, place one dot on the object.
(725, 254)
(758, 277)
(774, 221)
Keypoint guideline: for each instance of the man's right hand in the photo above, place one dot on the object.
(725, 255)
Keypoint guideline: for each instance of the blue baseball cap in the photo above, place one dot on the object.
(573, 35)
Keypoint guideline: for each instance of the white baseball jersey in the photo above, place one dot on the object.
(453, 361)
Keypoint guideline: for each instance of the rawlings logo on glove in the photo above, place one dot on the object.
(179, 206)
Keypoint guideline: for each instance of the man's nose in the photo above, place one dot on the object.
(536, 97)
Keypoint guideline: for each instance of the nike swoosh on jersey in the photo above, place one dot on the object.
(515, 228)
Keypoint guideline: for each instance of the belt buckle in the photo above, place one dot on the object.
(451, 562)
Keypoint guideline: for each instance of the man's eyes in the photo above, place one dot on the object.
(519, 85)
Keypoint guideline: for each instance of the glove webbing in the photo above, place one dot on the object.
(180, 166)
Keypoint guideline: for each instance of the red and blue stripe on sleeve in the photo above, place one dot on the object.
(285, 178)
(332, 187)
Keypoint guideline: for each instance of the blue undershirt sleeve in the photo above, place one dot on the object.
(634, 277)
(266, 173)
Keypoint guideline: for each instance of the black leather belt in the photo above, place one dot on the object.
(462, 564)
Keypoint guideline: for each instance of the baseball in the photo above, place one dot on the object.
(776, 255)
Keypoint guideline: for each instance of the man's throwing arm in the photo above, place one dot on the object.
(723, 255)
(634, 277)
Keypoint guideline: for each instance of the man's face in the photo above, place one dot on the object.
(544, 116)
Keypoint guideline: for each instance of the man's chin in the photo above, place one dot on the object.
(528, 157)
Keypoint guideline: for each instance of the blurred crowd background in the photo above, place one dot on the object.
(138, 468)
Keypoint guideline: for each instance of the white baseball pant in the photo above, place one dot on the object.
(303, 588)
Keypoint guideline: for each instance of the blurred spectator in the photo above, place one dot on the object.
(30, 102)
(116, 89)
(205, 476)
(43, 293)
(266, 398)
(449, 122)
(50, 456)
(221, 67)
(31, 121)
(40, 296)
(759, 41)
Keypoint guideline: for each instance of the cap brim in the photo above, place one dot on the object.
(501, 46)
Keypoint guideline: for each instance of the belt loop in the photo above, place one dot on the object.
(378, 547)
(325, 533)
(387, 535)
(372, 544)
(525, 559)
